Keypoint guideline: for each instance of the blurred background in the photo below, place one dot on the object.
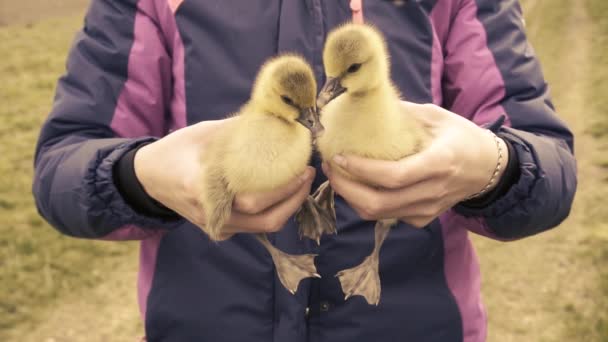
(551, 287)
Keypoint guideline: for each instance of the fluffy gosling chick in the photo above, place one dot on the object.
(362, 115)
(267, 144)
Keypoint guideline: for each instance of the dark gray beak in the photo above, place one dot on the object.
(309, 117)
(330, 91)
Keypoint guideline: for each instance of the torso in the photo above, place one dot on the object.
(224, 49)
(197, 283)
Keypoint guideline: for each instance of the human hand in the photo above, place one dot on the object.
(457, 162)
(170, 170)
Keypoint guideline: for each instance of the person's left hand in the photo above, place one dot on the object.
(457, 162)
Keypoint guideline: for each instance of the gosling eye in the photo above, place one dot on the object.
(287, 100)
(354, 68)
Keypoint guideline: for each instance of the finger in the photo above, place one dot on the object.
(225, 236)
(383, 173)
(428, 114)
(364, 198)
(385, 203)
(255, 203)
(418, 209)
(273, 218)
(390, 174)
(418, 221)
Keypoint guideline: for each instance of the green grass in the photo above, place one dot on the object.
(37, 264)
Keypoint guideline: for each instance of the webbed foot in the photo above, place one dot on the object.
(291, 269)
(362, 280)
(314, 221)
(324, 198)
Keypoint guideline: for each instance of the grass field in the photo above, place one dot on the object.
(552, 287)
(598, 88)
(38, 267)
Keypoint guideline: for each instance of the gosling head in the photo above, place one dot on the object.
(356, 60)
(286, 88)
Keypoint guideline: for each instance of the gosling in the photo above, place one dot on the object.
(266, 145)
(362, 115)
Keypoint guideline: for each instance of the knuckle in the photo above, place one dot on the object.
(443, 191)
(418, 222)
(429, 107)
(213, 235)
(224, 236)
(409, 221)
(451, 159)
(189, 183)
(365, 215)
(199, 219)
(248, 205)
(395, 180)
(447, 157)
(430, 210)
(370, 211)
(273, 225)
(184, 184)
(439, 191)
(273, 228)
(202, 226)
(449, 170)
(193, 199)
(373, 208)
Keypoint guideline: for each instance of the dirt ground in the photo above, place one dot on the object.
(28, 11)
(543, 288)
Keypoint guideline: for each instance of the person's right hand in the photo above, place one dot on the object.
(171, 172)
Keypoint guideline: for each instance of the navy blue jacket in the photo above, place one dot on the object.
(140, 69)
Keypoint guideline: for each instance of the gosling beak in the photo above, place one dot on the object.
(309, 118)
(330, 91)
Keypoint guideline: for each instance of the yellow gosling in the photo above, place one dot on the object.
(362, 115)
(267, 144)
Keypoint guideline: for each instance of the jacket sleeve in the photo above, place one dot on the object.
(490, 70)
(113, 97)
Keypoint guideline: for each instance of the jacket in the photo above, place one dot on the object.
(140, 69)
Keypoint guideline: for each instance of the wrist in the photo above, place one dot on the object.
(496, 165)
(501, 147)
(507, 180)
(132, 189)
(140, 160)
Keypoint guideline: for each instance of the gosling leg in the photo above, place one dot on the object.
(313, 221)
(291, 269)
(364, 279)
(324, 197)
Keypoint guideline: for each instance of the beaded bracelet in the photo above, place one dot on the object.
(493, 179)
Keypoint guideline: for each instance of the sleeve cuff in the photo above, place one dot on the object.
(542, 198)
(133, 191)
(110, 199)
(518, 191)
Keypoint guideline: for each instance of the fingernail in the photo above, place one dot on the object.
(305, 176)
(340, 160)
(325, 168)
